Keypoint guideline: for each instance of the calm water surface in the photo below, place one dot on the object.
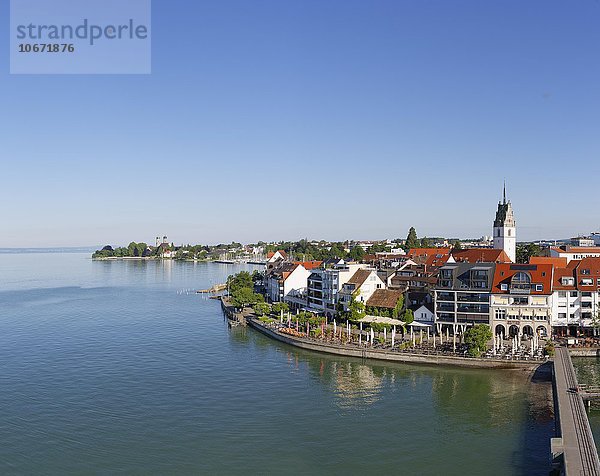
(107, 367)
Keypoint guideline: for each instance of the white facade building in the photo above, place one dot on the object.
(285, 279)
(324, 286)
(364, 282)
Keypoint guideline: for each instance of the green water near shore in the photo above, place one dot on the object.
(113, 367)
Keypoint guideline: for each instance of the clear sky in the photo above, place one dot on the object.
(270, 119)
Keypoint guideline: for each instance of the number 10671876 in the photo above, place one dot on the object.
(46, 48)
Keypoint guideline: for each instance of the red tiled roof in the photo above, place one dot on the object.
(557, 262)
(386, 298)
(539, 273)
(309, 264)
(430, 256)
(481, 255)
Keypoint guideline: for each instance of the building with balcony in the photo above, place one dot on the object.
(521, 299)
(284, 279)
(324, 285)
(462, 294)
(576, 298)
(363, 283)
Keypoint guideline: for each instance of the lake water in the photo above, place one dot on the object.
(110, 367)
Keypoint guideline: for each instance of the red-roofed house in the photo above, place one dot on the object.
(364, 282)
(431, 257)
(284, 279)
(576, 299)
(521, 299)
(480, 255)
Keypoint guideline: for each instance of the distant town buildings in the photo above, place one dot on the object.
(452, 288)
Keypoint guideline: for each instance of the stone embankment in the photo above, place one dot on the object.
(366, 352)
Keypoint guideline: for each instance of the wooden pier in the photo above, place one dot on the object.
(574, 450)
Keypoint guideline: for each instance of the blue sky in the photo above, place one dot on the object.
(322, 119)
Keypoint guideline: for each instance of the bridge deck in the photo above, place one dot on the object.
(580, 456)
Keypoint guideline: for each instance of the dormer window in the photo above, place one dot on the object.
(521, 282)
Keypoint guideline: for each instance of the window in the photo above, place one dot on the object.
(562, 315)
(521, 300)
(521, 282)
(585, 271)
(562, 294)
(572, 316)
(573, 293)
(539, 287)
(504, 287)
(500, 313)
(587, 282)
(586, 294)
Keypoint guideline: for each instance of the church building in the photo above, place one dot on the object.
(505, 229)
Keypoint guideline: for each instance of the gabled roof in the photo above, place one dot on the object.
(386, 298)
(481, 255)
(559, 274)
(359, 277)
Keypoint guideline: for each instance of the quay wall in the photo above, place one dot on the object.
(368, 353)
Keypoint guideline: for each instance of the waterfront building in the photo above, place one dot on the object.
(288, 278)
(521, 299)
(576, 298)
(363, 283)
(462, 294)
(424, 313)
(385, 300)
(505, 229)
(324, 285)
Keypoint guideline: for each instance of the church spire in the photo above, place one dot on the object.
(504, 192)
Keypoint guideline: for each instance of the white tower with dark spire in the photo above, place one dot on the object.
(505, 229)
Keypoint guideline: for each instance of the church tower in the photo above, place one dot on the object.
(505, 229)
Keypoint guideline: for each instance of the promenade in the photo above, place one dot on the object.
(574, 448)
(370, 352)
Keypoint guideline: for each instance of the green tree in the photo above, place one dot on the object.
(526, 250)
(243, 297)
(261, 308)
(425, 243)
(356, 307)
(280, 306)
(240, 280)
(456, 246)
(409, 316)
(356, 253)
(477, 338)
(411, 240)
(398, 307)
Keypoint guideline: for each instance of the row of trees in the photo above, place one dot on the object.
(133, 250)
